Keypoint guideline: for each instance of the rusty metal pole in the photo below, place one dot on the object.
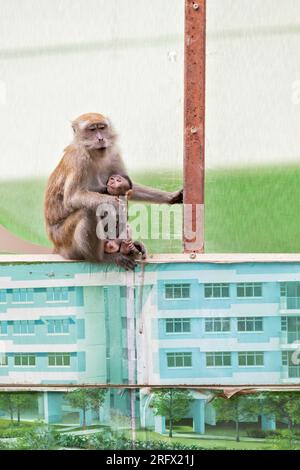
(194, 126)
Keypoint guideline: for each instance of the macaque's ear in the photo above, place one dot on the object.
(113, 132)
(129, 194)
(73, 125)
(108, 122)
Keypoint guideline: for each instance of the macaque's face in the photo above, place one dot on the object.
(111, 246)
(117, 185)
(96, 134)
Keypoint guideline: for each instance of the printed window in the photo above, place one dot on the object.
(23, 327)
(283, 323)
(217, 325)
(288, 359)
(179, 359)
(3, 328)
(178, 325)
(216, 291)
(22, 295)
(2, 296)
(283, 290)
(292, 289)
(290, 294)
(58, 327)
(3, 360)
(59, 359)
(284, 358)
(218, 359)
(25, 360)
(252, 358)
(123, 292)
(57, 294)
(249, 289)
(246, 324)
(177, 291)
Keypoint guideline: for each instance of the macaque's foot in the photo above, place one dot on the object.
(125, 261)
(141, 249)
(176, 197)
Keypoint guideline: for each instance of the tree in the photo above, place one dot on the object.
(86, 399)
(285, 406)
(237, 408)
(97, 397)
(16, 402)
(6, 404)
(22, 401)
(171, 403)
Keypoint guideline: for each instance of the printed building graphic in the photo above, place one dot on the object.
(232, 322)
(228, 324)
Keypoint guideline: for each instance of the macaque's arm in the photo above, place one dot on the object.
(76, 196)
(144, 193)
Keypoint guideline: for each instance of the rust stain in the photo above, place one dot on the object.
(194, 119)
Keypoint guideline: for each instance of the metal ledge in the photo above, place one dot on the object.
(230, 258)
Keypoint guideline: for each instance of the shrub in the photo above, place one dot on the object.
(256, 433)
(41, 437)
(284, 439)
(13, 432)
(101, 442)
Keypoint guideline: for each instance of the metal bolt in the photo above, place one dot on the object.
(196, 6)
(194, 130)
(193, 255)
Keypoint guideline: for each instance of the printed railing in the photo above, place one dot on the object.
(290, 303)
(294, 371)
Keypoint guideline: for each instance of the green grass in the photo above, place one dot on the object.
(7, 424)
(80, 428)
(221, 429)
(246, 210)
(204, 443)
(253, 210)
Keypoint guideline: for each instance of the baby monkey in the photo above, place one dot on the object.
(121, 185)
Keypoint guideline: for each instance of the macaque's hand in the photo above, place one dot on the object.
(141, 249)
(128, 248)
(176, 197)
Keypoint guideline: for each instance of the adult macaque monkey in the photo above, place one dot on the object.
(78, 185)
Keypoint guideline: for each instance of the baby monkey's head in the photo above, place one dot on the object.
(118, 185)
(112, 246)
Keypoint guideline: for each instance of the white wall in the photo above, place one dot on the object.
(253, 63)
(60, 58)
(127, 64)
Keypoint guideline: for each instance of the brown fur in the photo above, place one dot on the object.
(77, 186)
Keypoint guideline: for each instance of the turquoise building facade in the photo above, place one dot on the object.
(230, 323)
(210, 321)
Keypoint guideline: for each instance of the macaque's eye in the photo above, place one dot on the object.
(101, 126)
(92, 128)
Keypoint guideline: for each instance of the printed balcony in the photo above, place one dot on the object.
(288, 304)
(289, 337)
